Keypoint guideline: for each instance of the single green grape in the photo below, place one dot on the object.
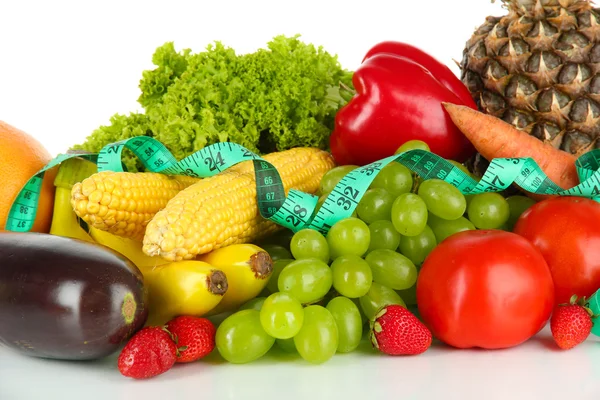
(348, 321)
(276, 251)
(334, 176)
(395, 178)
(286, 345)
(281, 315)
(409, 214)
(443, 228)
(442, 199)
(318, 338)
(348, 236)
(383, 236)
(488, 210)
(418, 247)
(413, 145)
(392, 269)
(307, 280)
(253, 304)
(352, 276)
(517, 205)
(241, 338)
(378, 297)
(278, 266)
(308, 243)
(375, 204)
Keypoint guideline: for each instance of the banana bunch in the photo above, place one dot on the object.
(216, 282)
(220, 281)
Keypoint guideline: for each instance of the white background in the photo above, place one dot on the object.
(67, 66)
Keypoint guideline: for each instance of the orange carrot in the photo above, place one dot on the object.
(494, 138)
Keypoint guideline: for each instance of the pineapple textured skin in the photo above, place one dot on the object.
(538, 68)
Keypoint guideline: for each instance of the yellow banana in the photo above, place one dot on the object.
(64, 220)
(182, 288)
(128, 247)
(248, 268)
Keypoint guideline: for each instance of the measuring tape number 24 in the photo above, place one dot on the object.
(298, 210)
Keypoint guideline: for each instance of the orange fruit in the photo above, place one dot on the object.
(21, 156)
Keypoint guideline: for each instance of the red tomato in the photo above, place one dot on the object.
(490, 289)
(567, 232)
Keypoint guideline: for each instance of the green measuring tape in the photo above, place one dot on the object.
(297, 210)
(24, 209)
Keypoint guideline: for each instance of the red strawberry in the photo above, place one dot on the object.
(194, 336)
(150, 352)
(396, 331)
(571, 323)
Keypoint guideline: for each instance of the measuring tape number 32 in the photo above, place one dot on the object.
(298, 210)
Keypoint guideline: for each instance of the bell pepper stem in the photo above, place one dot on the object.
(338, 96)
(346, 92)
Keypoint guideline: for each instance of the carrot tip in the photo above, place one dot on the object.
(447, 104)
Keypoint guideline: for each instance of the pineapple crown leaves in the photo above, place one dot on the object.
(536, 7)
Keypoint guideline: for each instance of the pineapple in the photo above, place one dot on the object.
(538, 68)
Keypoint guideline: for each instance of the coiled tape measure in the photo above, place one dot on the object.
(296, 211)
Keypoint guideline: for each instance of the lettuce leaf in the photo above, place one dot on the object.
(285, 95)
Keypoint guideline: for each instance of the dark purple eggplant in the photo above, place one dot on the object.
(67, 299)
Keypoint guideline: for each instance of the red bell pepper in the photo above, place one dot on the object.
(399, 95)
(440, 71)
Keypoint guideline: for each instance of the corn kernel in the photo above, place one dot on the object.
(102, 211)
(86, 187)
(223, 209)
(92, 208)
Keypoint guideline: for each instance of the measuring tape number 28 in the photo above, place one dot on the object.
(296, 211)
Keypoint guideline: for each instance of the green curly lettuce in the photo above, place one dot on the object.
(170, 66)
(276, 98)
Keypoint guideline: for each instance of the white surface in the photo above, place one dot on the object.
(534, 370)
(68, 65)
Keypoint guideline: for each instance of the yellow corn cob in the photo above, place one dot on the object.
(123, 203)
(222, 210)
